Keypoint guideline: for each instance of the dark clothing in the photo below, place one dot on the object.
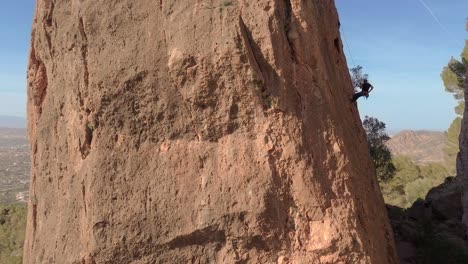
(366, 86)
(357, 95)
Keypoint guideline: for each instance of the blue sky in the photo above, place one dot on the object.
(403, 49)
(398, 42)
(15, 29)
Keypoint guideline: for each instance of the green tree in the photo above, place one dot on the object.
(12, 232)
(464, 54)
(453, 76)
(411, 181)
(452, 80)
(451, 148)
(357, 77)
(381, 155)
(460, 108)
(394, 189)
(430, 175)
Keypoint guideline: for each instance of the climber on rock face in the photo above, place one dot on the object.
(366, 88)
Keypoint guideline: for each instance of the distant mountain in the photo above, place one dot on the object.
(421, 146)
(12, 121)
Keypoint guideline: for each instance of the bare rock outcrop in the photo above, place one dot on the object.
(197, 132)
(431, 230)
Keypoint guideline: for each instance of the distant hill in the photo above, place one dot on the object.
(421, 146)
(12, 121)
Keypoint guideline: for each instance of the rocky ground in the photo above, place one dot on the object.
(431, 231)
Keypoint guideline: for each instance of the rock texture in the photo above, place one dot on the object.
(462, 158)
(197, 132)
(431, 226)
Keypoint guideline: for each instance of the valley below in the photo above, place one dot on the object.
(14, 166)
(422, 147)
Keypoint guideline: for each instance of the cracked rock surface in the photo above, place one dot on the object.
(197, 132)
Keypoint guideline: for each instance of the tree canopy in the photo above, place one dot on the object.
(411, 181)
(453, 76)
(12, 232)
(357, 77)
(381, 155)
(451, 144)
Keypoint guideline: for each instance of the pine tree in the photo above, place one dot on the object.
(453, 76)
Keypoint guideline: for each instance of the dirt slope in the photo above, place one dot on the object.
(421, 146)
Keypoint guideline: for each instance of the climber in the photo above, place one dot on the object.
(366, 88)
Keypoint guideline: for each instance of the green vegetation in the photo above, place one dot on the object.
(460, 108)
(453, 76)
(12, 233)
(381, 156)
(357, 77)
(451, 144)
(411, 181)
(401, 180)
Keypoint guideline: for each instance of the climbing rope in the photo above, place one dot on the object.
(347, 47)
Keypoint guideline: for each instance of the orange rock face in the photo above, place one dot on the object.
(197, 132)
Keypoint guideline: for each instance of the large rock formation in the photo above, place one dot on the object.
(431, 230)
(197, 132)
(462, 158)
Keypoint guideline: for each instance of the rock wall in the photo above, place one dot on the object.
(197, 132)
(431, 230)
(462, 159)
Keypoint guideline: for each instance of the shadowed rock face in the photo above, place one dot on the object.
(197, 132)
(431, 229)
(462, 159)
